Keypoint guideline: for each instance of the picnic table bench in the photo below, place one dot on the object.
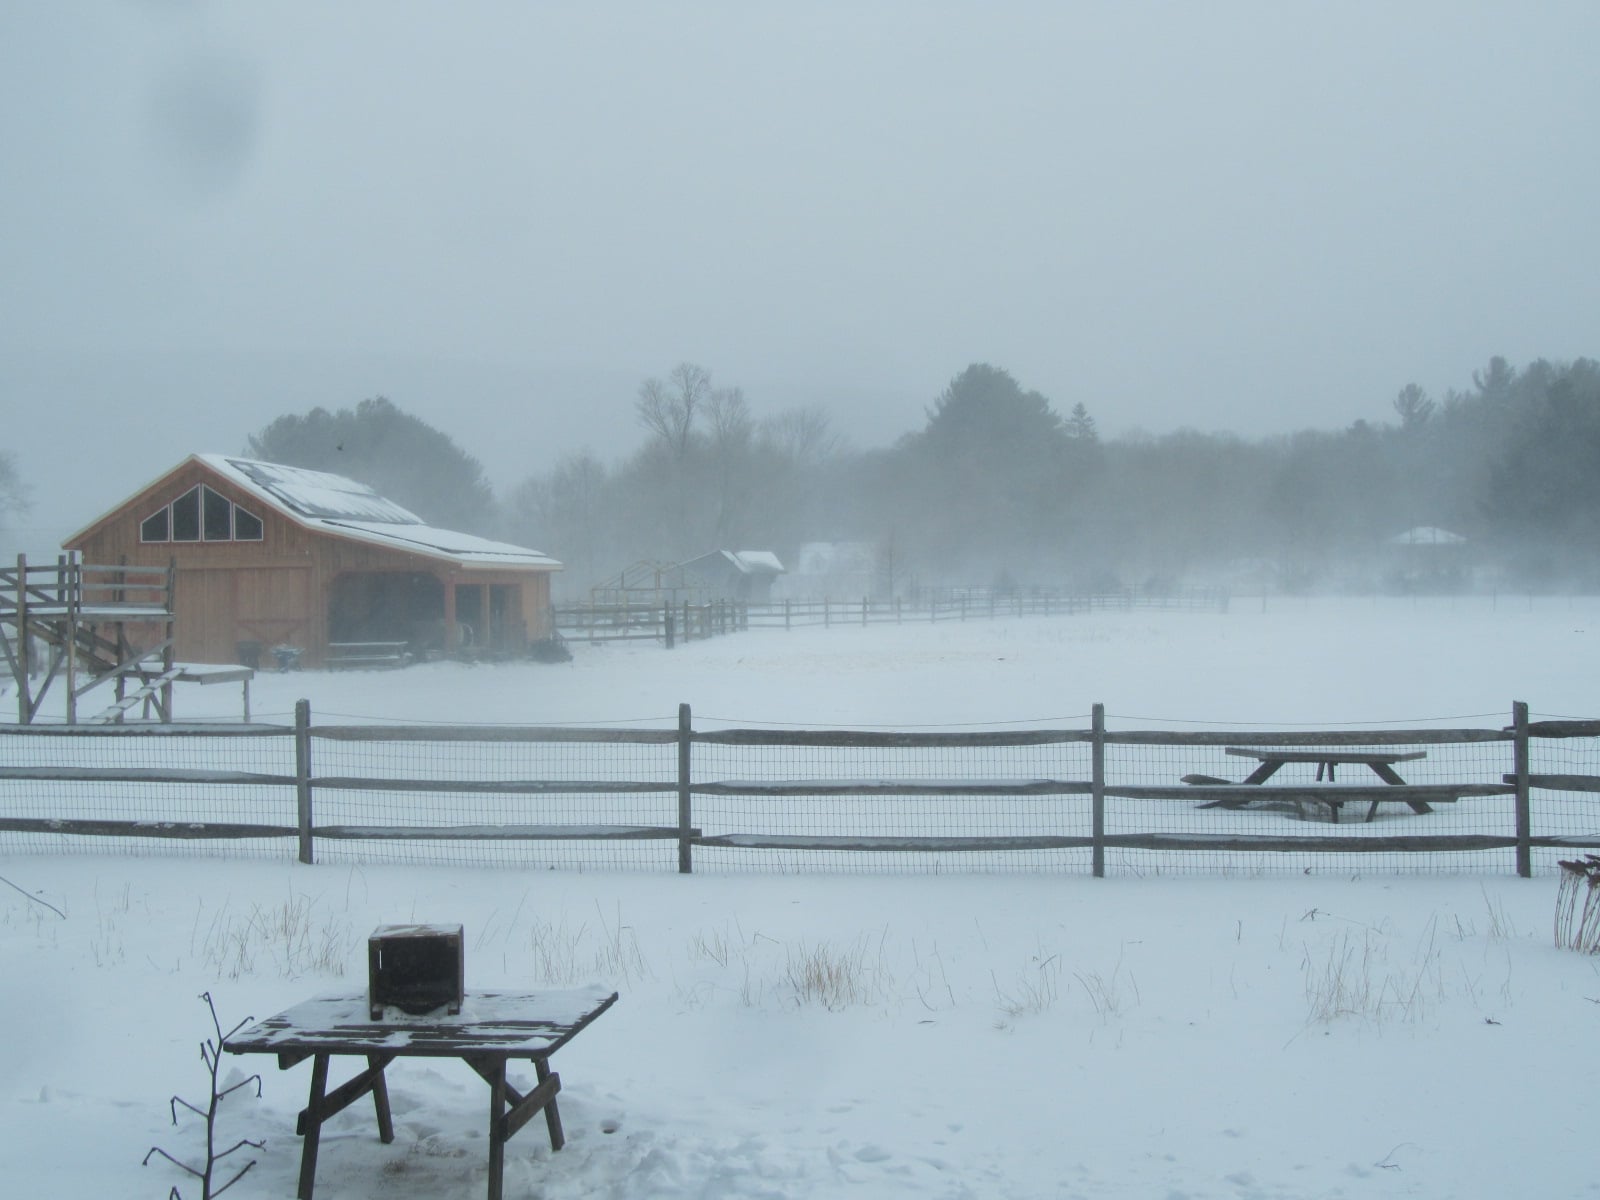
(491, 1029)
(1381, 763)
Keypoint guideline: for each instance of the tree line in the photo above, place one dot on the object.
(999, 486)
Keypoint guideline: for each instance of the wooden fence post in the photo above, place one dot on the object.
(1097, 767)
(666, 624)
(685, 801)
(69, 599)
(1519, 723)
(302, 775)
(786, 623)
(25, 650)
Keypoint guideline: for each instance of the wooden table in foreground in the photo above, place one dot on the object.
(1381, 763)
(491, 1029)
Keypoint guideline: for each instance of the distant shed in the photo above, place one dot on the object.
(1427, 558)
(733, 574)
(272, 555)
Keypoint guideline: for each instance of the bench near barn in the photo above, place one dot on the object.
(347, 655)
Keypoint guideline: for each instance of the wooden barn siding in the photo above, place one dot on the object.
(271, 591)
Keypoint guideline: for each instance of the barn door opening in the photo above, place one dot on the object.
(489, 618)
(388, 606)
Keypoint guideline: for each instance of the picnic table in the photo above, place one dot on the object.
(1380, 763)
(491, 1029)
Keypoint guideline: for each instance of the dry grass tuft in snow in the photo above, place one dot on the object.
(291, 939)
(565, 954)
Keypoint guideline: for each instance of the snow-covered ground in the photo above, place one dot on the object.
(852, 1035)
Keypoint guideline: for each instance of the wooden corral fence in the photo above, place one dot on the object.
(1093, 792)
(666, 623)
(670, 623)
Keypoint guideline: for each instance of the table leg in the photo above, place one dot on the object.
(1263, 773)
(1389, 775)
(552, 1116)
(313, 1126)
(380, 1097)
(322, 1104)
(496, 1075)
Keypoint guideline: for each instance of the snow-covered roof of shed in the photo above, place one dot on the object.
(345, 508)
(756, 562)
(1427, 535)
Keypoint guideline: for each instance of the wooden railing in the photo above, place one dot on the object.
(684, 621)
(684, 799)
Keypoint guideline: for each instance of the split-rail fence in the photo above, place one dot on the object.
(682, 621)
(789, 799)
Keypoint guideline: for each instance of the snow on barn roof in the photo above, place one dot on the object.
(313, 493)
(1427, 535)
(345, 508)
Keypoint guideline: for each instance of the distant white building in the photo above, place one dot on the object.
(840, 570)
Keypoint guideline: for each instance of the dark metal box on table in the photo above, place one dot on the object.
(415, 968)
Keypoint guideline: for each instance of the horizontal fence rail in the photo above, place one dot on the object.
(675, 621)
(1093, 800)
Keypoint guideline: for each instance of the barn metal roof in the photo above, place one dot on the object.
(345, 508)
(313, 493)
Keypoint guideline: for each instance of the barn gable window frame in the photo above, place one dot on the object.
(201, 514)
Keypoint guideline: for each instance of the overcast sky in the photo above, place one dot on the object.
(1256, 217)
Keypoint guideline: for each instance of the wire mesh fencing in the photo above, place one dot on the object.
(503, 796)
(148, 789)
(1107, 801)
(779, 800)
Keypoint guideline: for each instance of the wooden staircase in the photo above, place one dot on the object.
(90, 625)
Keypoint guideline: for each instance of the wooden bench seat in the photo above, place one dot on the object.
(368, 654)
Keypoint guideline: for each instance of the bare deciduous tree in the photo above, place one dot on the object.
(668, 409)
(802, 436)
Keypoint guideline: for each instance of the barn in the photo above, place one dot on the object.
(273, 556)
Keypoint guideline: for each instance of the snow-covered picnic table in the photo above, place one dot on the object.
(1381, 763)
(491, 1029)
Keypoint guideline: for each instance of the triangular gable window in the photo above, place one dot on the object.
(201, 514)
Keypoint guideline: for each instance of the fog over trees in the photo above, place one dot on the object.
(405, 459)
(999, 487)
(13, 493)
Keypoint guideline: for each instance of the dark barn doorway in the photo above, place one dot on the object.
(389, 606)
(489, 618)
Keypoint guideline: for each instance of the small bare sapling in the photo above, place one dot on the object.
(211, 1055)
